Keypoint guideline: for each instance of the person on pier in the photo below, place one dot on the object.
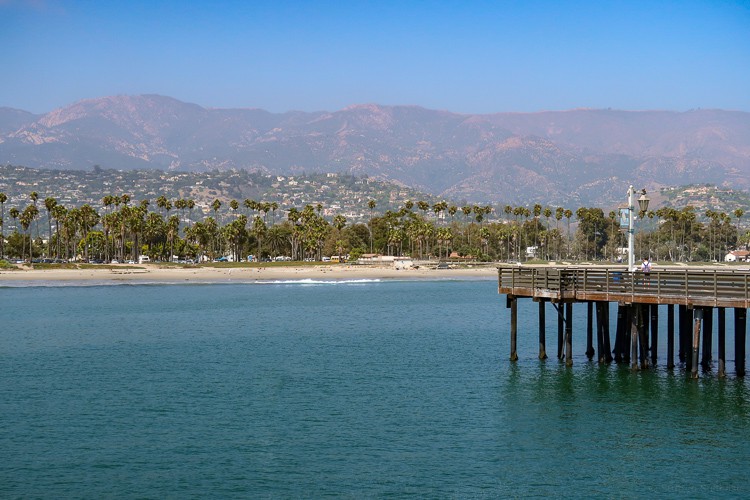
(646, 268)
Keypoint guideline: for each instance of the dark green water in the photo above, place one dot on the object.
(365, 389)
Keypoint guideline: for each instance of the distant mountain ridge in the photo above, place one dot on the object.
(582, 156)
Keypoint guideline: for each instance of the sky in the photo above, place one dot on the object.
(463, 56)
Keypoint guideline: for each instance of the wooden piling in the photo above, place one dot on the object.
(696, 342)
(560, 330)
(600, 356)
(569, 334)
(654, 332)
(542, 332)
(670, 336)
(682, 312)
(589, 329)
(627, 334)
(707, 338)
(722, 322)
(513, 328)
(643, 333)
(688, 338)
(633, 337)
(619, 333)
(605, 332)
(740, 334)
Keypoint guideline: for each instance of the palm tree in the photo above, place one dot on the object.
(568, 214)
(27, 217)
(49, 204)
(190, 207)
(339, 221)
(58, 212)
(34, 197)
(3, 199)
(259, 230)
(737, 213)
(274, 207)
(537, 212)
(371, 205)
(87, 219)
(173, 229)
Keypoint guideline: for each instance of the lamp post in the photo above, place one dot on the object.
(643, 201)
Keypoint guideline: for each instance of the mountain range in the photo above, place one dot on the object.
(582, 156)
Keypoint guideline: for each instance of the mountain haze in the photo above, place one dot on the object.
(583, 156)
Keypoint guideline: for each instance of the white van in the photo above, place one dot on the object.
(143, 259)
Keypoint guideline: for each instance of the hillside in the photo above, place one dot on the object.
(578, 157)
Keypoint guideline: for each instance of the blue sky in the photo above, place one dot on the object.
(463, 56)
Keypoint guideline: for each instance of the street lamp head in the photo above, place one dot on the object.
(643, 201)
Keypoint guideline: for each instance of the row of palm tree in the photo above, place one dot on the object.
(124, 230)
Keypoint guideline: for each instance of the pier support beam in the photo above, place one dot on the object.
(670, 336)
(682, 309)
(722, 324)
(605, 332)
(696, 342)
(589, 330)
(620, 334)
(560, 330)
(643, 333)
(513, 304)
(600, 333)
(634, 337)
(542, 332)
(654, 332)
(740, 334)
(708, 323)
(569, 334)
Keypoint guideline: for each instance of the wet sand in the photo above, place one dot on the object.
(153, 273)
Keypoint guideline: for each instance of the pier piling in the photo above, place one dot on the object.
(589, 329)
(633, 338)
(707, 338)
(605, 331)
(740, 334)
(654, 332)
(721, 320)
(542, 332)
(696, 342)
(619, 333)
(513, 304)
(560, 330)
(569, 334)
(670, 336)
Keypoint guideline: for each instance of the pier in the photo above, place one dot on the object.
(695, 292)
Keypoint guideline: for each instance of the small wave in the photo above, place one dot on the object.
(310, 281)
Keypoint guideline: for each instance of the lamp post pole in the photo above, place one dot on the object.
(631, 243)
(643, 202)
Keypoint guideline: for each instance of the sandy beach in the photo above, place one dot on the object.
(154, 273)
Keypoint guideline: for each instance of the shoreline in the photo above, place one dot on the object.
(153, 273)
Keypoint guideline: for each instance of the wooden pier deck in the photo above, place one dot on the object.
(638, 296)
(690, 287)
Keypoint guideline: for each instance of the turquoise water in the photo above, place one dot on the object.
(364, 389)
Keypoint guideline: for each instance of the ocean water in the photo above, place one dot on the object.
(345, 389)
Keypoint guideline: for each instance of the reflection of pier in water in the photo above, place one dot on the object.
(696, 292)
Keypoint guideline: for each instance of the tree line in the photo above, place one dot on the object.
(124, 229)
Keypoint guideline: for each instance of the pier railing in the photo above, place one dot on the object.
(692, 287)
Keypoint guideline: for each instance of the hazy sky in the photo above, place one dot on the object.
(463, 56)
